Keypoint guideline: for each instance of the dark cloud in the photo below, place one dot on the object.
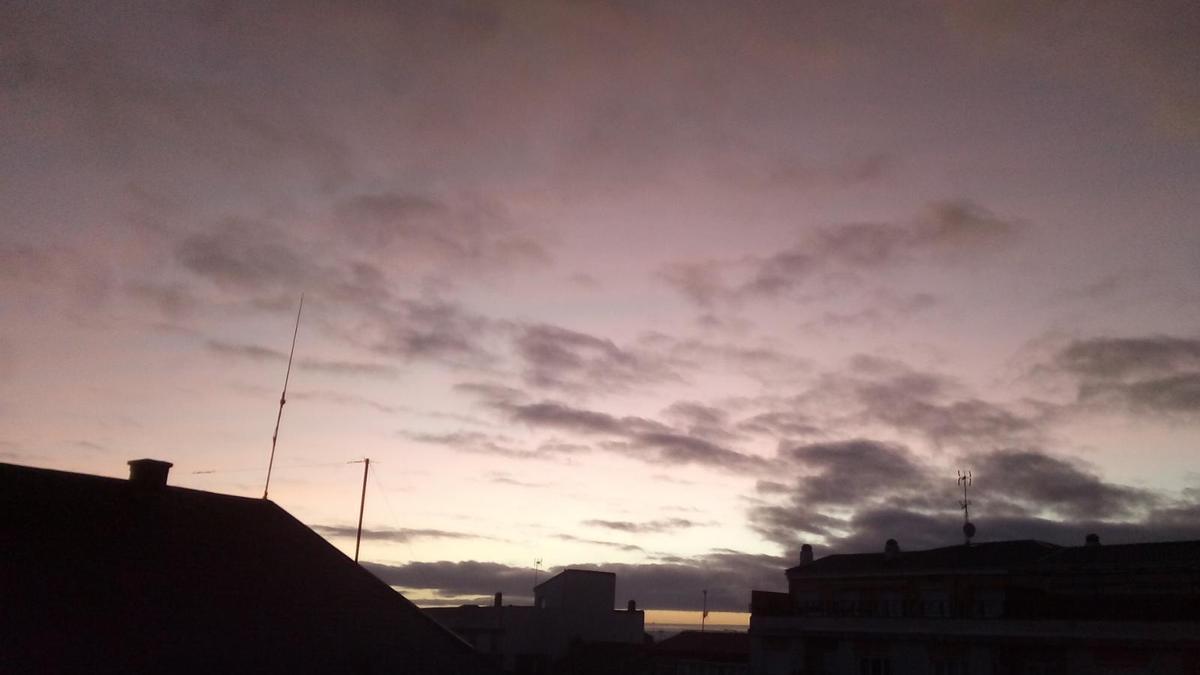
(457, 578)
(945, 230)
(1175, 394)
(1155, 374)
(679, 449)
(240, 255)
(494, 444)
(764, 362)
(781, 424)
(1046, 483)
(558, 358)
(842, 473)
(933, 405)
(469, 237)
(401, 535)
(728, 576)
(700, 420)
(650, 526)
(601, 542)
(1118, 358)
(854, 495)
(638, 437)
(429, 329)
(554, 415)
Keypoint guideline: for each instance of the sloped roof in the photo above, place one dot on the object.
(101, 576)
(986, 555)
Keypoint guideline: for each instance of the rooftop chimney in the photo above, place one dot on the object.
(149, 473)
(891, 549)
(806, 555)
(1092, 539)
(499, 599)
(632, 606)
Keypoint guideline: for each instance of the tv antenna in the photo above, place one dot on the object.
(964, 479)
(366, 462)
(283, 398)
(537, 567)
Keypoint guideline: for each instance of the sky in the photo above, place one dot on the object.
(665, 289)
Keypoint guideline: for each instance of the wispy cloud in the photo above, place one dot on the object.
(946, 229)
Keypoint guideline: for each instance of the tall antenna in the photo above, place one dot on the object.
(362, 504)
(537, 567)
(283, 398)
(964, 479)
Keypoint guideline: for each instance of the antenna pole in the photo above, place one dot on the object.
(537, 567)
(283, 397)
(964, 479)
(704, 612)
(362, 506)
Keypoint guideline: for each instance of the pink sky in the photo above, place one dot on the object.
(663, 288)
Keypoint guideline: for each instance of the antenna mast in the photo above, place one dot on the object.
(704, 611)
(964, 479)
(537, 567)
(283, 398)
(362, 504)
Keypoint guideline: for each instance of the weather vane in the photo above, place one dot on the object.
(964, 479)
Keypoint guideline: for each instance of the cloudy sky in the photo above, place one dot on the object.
(663, 288)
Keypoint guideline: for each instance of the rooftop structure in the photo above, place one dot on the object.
(573, 607)
(997, 607)
(102, 575)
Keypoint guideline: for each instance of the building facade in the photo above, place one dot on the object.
(998, 608)
(571, 608)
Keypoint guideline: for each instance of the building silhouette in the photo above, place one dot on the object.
(571, 609)
(101, 575)
(998, 608)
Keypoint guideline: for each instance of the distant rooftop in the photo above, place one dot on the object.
(1006, 555)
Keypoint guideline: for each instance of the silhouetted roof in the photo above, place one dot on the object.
(1026, 554)
(1160, 554)
(574, 573)
(102, 575)
(987, 555)
(706, 645)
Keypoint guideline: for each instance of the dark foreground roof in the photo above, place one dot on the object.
(988, 555)
(1025, 555)
(99, 575)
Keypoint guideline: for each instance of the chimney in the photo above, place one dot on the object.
(806, 555)
(1092, 539)
(148, 474)
(891, 549)
(499, 600)
(632, 606)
